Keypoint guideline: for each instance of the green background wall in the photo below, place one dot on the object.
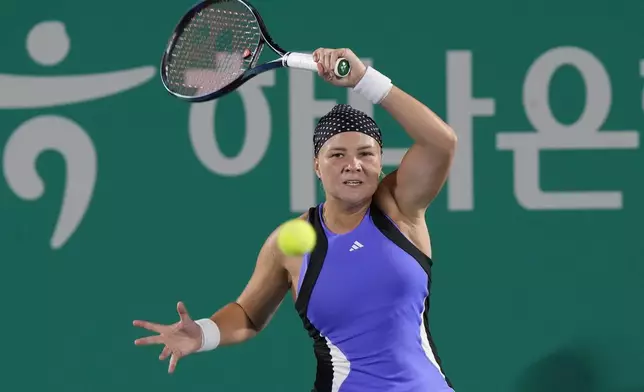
(117, 200)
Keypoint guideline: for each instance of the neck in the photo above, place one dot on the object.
(341, 217)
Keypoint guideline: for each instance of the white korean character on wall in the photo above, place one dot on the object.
(586, 133)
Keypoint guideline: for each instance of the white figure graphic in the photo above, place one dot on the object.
(585, 133)
(48, 44)
(210, 80)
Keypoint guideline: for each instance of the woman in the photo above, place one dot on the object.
(363, 292)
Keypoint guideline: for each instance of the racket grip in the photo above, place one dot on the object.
(301, 61)
(305, 61)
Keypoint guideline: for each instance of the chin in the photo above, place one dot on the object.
(356, 196)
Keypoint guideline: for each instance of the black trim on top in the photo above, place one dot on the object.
(389, 230)
(324, 371)
(316, 259)
(432, 344)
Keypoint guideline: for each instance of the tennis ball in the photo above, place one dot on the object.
(296, 237)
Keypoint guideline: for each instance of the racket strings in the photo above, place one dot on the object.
(214, 49)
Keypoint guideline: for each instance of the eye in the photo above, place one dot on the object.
(366, 153)
(336, 155)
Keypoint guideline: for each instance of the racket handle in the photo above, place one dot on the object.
(305, 61)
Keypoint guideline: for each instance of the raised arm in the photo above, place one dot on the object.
(425, 166)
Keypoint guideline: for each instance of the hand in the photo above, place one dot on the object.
(180, 339)
(326, 59)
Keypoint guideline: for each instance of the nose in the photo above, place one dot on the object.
(353, 165)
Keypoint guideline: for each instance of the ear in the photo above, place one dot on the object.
(316, 167)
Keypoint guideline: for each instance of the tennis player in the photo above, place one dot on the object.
(363, 292)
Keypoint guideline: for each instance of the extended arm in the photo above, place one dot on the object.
(243, 319)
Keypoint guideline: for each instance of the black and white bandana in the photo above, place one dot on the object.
(344, 118)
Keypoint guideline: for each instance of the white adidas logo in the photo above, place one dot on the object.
(356, 245)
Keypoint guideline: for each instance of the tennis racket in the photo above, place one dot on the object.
(215, 47)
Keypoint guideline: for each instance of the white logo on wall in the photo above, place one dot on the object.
(549, 134)
(48, 45)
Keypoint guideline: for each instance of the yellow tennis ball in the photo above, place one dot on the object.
(296, 237)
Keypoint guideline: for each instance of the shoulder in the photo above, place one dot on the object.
(305, 215)
(270, 245)
(273, 235)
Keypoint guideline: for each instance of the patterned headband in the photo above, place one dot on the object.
(344, 118)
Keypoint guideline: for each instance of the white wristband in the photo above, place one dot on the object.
(374, 86)
(210, 334)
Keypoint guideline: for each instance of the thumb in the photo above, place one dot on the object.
(183, 312)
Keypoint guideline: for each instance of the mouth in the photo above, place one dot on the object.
(352, 182)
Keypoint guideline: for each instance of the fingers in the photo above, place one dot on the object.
(327, 63)
(326, 59)
(317, 56)
(148, 325)
(333, 58)
(321, 56)
(174, 359)
(158, 339)
(165, 353)
(183, 312)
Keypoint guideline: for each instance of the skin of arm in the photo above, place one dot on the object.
(425, 167)
(243, 319)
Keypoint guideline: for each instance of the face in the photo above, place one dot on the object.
(349, 165)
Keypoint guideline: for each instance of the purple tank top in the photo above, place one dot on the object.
(363, 296)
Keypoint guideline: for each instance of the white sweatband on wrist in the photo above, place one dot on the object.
(210, 334)
(374, 86)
